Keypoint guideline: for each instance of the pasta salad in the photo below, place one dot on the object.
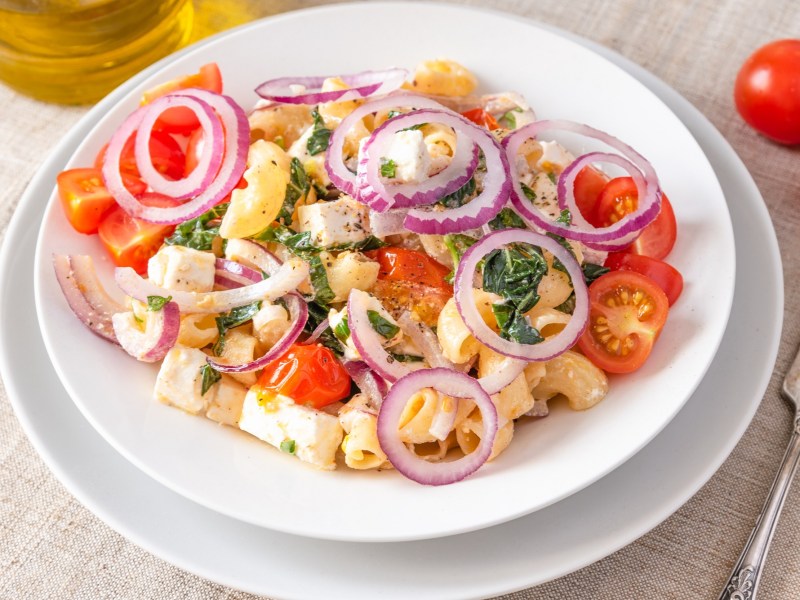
(379, 270)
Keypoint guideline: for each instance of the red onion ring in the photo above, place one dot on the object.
(230, 274)
(253, 255)
(361, 85)
(613, 237)
(367, 341)
(209, 164)
(369, 382)
(450, 383)
(291, 274)
(465, 300)
(372, 191)
(337, 171)
(159, 336)
(318, 330)
(234, 161)
(85, 294)
(496, 184)
(298, 314)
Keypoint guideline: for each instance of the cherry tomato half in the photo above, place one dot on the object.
(181, 119)
(589, 183)
(767, 91)
(620, 197)
(667, 277)
(482, 118)
(308, 374)
(132, 242)
(166, 153)
(86, 200)
(402, 264)
(626, 314)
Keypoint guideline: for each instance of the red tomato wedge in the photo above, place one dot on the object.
(132, 242)
(620, 197)
(308, 374)
(482, 118)
(667, 277)
(168, 157)
(626, 314)
(589, 183)
(86, 200)
(410, 266)
(180, 119)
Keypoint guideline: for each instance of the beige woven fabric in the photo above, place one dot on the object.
(52, 547)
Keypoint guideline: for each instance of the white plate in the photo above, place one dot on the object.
(235, 474)
(609, 514)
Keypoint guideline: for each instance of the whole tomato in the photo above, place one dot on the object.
(767, 91)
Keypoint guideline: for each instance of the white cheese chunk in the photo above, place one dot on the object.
(410, 155)
(179, 380)
(226, 401)
(555, 158)
(341, 221)
(277, 419)
(182, 269)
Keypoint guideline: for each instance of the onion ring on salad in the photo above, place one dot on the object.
(308, 90)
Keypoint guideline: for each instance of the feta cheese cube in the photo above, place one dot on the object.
(341, 221)
(227, 399)
(277, 419)
(179, 380)
(182, 269)
(410, 155)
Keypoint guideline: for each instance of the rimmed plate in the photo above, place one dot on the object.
(231, 473)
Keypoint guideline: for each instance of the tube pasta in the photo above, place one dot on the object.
(443, 78)
(555, 287)
(458, 343)
(434, 451)
(548, 320)
(198, 330)
(281, 123)
(469, 432)
(347, 271)
(575, 377)
(270, 323)
(515, 399)
(360, 444)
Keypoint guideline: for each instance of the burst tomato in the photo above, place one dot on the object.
(482, 118)
(410, 266)
(620, 197)
(166, 153)
(132, 242)
(308, 374)
(767, 91)
(626, 314)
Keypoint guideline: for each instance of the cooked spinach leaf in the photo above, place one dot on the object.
(210, 376)
(342, 330)
(507, 219)
(320, 136)
(405, 357)
(514, 273)
(236, 317)
(592, 271)
(552, 177)
(565, 217)
(383, 326)
(460, 196)
(514, 326)
(298, 187)
(529, 193)
(317, 313)
(457, 244)
(198, 233)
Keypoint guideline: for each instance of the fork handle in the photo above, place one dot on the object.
(744, 580)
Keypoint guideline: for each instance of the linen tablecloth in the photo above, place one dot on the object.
(52, 547)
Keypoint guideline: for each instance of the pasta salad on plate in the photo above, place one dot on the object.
(377, 270)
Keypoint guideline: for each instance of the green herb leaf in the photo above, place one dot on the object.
(155, 303)
(565, 217)
(568, 306)
(457, 244)
(298, 187)
(198, 233)
(557, 264)
(406, 357)
(319, 280)
(320, 136)
(529, 193)
(514, 273)
(317, 313)
(342, 330)
(413, 127)
(514, 326)
(388, 168)
(552, 177)
(592, 271)
(288, 446)
(382, 325)
(210, 377)
(392, 114)
(507, 219)
(236, 317)
(510, 118)
(460, 196)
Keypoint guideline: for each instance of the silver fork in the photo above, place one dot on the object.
(744, 580)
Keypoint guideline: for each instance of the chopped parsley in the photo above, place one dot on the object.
(529, 193)
(198, 233)
(155, 303)
(342, 330)
(388, 168)
(565, 217)
(288, 446)
(552, 177)
(510, 118)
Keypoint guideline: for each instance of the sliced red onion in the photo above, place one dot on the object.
(234, 161)
(369, 382)
(253, 255)
(209, 163)
(450, 383)
(372, 191)
(496, 183)
(613, 237)
(387, 223)
(291, 274)
(338, 172)
(159, 336)
(231, 274)
(308, 90)
(369, 342)
(318, 331)
(298, 315)
(444, 418)
(85, 294)
(508, 371)
(465, 300)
